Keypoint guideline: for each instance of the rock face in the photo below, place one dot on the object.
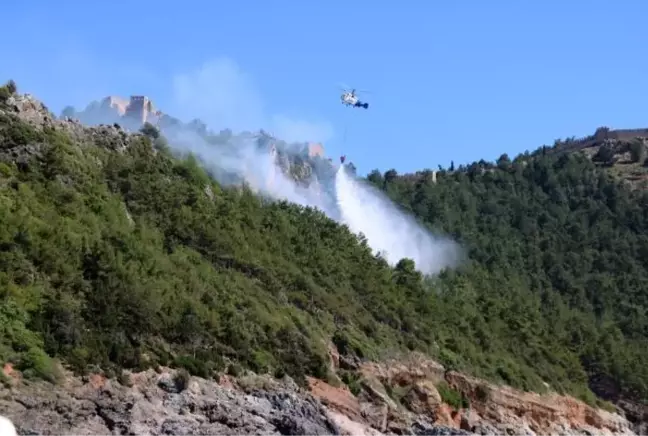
(168, 402)
(163, 403)
(32, 111)
(414, 404)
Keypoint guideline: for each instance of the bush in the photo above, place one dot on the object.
(5, 381)
(7, 90)
(11, 87)
(352, 380)
(482, 393)
(197, 367)
(150, 130)
(235, 369)
(605, 155)
(37, 364)
(452, 397)
(125, 379)
(637, 151)
(182, 379)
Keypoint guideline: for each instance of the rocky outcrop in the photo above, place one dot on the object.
(401, 396)
(168, 401)
(164, 402)
(35, 113)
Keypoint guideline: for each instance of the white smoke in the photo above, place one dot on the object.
(221, 94)
(244, 160)
(362, 208)
(390, 231)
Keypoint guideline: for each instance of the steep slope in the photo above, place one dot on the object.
(115, 254)
(119, 255)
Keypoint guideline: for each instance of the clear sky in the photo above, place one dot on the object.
(449, 80)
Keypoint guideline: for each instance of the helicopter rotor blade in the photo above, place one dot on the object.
(356, 90)
(344, 87)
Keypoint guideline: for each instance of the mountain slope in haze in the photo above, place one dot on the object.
(117, 254)
(137, 111)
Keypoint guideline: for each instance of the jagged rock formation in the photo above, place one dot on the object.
(397, 395)
(167, 402)
(297, 160)
(134, 112)
(113, 117)
(393, 397)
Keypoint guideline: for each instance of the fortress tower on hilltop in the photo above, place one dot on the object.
(141, 108)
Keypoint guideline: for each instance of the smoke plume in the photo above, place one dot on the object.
(225, 96)
(350, 201)
(241, 159)
(222, 96)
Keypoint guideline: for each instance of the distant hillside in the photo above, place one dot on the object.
(622, 153)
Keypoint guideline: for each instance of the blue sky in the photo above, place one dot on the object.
(449, 80)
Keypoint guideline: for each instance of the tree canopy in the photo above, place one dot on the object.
(558, 281)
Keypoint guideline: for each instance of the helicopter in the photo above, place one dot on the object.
(349, 98)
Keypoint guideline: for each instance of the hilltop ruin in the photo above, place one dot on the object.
(600, 137)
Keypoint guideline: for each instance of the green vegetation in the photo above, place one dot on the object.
(133, 259)
(452, 397)
(182, 379)
(7, 90)
(557, 285)
(352, 380)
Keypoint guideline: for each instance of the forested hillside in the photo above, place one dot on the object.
(114, 253)
(558, 281)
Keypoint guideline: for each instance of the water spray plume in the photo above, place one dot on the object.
(390, 231)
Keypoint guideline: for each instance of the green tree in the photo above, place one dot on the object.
(637, 150)
(150, 130)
